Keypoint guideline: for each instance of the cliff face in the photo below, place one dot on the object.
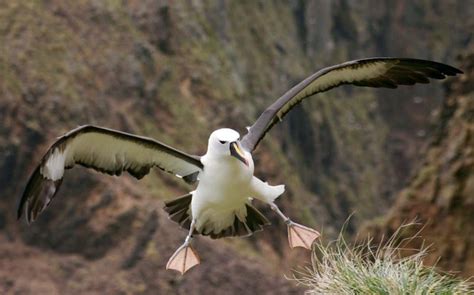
(364, 149)
(176, 71)
(440, 197)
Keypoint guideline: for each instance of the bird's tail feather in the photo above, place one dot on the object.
(179, 211)
(254, 221)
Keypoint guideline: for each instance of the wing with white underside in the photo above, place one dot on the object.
(385, 72)
(105, 150)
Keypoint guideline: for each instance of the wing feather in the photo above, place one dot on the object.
(104, 150)
(386, 72)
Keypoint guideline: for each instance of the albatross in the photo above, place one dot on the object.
(221, 205)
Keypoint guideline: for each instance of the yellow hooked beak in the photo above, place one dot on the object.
(237, 152)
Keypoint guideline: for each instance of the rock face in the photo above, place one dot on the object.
(440, 197)
(176, 70)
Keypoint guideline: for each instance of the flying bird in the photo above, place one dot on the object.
(221, 205)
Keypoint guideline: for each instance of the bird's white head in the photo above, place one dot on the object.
(226, 142)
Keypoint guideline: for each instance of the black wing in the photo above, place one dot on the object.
(105, 150)
(385, 72)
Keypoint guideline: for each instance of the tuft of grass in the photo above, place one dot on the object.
(361, 268)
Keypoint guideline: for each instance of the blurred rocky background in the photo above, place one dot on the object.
(175, 71)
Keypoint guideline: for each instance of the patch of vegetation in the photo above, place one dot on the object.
(342, 268)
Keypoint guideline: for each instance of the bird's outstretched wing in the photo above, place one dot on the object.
(385, 72)
(105, 150)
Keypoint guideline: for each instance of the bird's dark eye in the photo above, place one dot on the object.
(222, 141)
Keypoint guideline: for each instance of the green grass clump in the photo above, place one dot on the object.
(341, 268)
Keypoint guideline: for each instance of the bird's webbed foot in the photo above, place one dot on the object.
(185, 257)
(298, 235)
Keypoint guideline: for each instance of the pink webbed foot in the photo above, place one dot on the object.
(183, 259)
(301, 236)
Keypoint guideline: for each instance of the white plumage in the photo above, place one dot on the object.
(225, 185)
(54, 167)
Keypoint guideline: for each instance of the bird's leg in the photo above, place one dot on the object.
(298, 235)
(185, 257)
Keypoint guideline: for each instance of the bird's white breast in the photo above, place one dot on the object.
(224, 188)
(224, 177)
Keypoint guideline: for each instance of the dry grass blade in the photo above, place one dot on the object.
(341, 268)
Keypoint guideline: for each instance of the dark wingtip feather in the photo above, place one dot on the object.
(411, 71)
(448, 70)
(32, 183)
(37, 195)
(443, 68)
